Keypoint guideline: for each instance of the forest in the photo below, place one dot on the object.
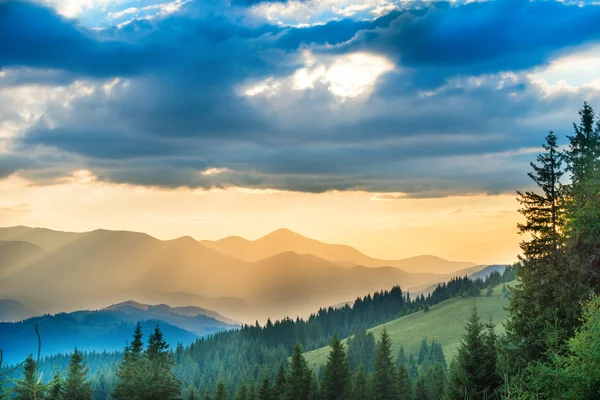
(550, 348)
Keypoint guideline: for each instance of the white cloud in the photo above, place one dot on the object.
(214, 171)
(570, 73)
(295, 12)
(74, 8)
(345, 76)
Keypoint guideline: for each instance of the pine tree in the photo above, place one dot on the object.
(221, 393)
(192, 394)
(384, 377)
(435, 379)
(420, 389)
(402, 359)
(242, 393)
(298, 379)
(132, 370)
(361, 350)
(279, 388)
(534, 297)
(252, 391)
(163, 384)
(468, 377)
(55, 392)
(336, 382)
(315, 390)
(405, 386)
(265, 391)
(77, 385)
(583, 209)
(207, 395)
(360, 385)
(26, 388)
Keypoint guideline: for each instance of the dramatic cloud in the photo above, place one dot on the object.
(423, 99)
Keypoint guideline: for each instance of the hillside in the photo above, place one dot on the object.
(444, 322)
(284, 240)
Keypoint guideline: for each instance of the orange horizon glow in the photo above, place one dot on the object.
(478, 228)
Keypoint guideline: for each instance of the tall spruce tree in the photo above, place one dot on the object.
(384, 376)
(534, 297)
(336, 381)
(468, 377)
(299, 376)
(265, 391)
(583, 207)
(77, 385)
(163, 384)
(132, 370)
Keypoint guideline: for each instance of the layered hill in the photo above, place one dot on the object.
(106, 329)
(284, 240)
(90, 269)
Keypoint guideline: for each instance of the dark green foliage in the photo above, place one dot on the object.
(279, 388)
(77, 385)
(242, 393)
(25, 389)
(405, 384)
(221, 393)
(537, 294)
(435, 380)
(471, 375)
(336, 382)
(315, 392)
(163, 383)
(361, 389)
(402, 359)
(420, 389)
(147, 375)
(265, 391)
(207, 395)
(299, 376)
(384, 374)
(361, 350)
(55, 393)
(192, 394)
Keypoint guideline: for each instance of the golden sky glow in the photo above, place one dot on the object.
(480, 229)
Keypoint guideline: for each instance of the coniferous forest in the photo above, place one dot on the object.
(550, 348)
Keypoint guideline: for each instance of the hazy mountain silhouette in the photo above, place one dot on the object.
(283, 240)
(13, 311)
(87, 270)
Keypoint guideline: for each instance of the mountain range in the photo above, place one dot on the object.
(283, 273)
(107, 329)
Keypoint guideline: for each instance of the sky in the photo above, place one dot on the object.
(400, 128)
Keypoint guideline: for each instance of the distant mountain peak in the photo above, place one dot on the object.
(128, 303)
(284, 233)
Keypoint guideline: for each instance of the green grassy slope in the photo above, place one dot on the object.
(444, 322)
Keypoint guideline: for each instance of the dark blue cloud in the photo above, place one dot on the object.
(181, 111)
(444, 39)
